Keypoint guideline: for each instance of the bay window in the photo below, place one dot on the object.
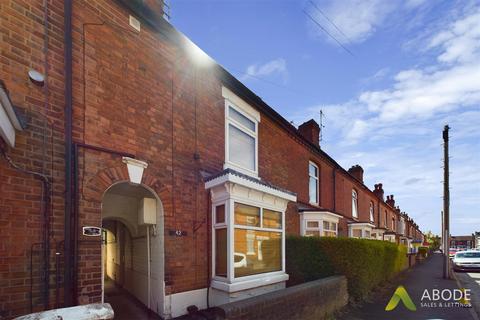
(319, 224)
(354, 204)
(248, 232)
(360, 230)
(313, 183)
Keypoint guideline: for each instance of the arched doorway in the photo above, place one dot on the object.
(132, 250)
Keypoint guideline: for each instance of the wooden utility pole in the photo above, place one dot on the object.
(446, 204)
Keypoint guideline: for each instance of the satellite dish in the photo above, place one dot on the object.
(36, 77)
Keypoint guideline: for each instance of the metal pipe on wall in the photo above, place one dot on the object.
(149, 287)
(68, 284)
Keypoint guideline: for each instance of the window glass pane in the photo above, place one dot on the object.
(220, 214)
(329, 234)
(240, 118)
(272, 219)
(312, 170)
(312, 224)
(247, 215)
(367, 234)
(312, 233)
(221, 252)
(267, 252)
(333, 226)
(354, 204)
(357, 233)
(326, 225)
(241, 148)
(313, 190)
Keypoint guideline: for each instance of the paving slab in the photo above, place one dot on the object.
(471, 280)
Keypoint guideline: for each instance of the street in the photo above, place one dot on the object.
(427, 275)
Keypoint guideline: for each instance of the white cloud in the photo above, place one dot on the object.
(273, 67)
(461, 41)
(395, 133)
(424, 92)
(357, 19)
(414, 3)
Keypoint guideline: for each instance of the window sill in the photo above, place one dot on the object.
(248, 172)
(262, 280)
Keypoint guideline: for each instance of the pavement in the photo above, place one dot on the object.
(125, 306)
(470, 280)
(426, 275)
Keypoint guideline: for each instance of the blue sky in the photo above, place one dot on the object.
(409, 68)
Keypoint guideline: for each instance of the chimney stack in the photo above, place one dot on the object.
(310, 130)
(378, 191)
(357, 172)
(390, 201)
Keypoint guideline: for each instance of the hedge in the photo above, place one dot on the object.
(365, 263)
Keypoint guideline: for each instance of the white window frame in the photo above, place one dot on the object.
(231, 226)
(236, 103)
(362, 227)
(372, 212)
(9, 123)
(317, 178)
(354, 203)
(215, 226)
(315, 229)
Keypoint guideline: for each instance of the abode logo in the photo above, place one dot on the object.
(400, 294)
(431, 298)
(446, 298)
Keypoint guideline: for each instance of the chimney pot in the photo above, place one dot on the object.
(357, 172)
(310, 130)
(390, 201)
(379, 191)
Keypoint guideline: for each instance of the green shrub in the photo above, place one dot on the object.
(365, 263)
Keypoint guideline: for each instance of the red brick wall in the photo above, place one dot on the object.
(136, 93)
(38, 148)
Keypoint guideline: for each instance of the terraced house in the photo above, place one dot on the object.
(130, 158)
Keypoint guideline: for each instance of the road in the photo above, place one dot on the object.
(427, 275)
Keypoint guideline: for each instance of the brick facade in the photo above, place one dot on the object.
(141, 94)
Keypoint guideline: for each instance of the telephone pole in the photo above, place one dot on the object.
(446, 204)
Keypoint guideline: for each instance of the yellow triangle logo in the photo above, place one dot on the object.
(400, 295)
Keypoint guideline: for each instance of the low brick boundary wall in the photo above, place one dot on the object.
(312, 300)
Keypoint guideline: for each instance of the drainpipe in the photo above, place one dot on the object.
(334, 190)
(148, 268)
(68, 297)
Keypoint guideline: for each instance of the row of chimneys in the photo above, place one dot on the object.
(310, 130)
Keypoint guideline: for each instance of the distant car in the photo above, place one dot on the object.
(466, 261)
(452, 252)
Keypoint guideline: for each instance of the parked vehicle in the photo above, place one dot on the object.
(452, 252)
(466, 260)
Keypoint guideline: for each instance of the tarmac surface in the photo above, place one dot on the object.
(427, 275)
